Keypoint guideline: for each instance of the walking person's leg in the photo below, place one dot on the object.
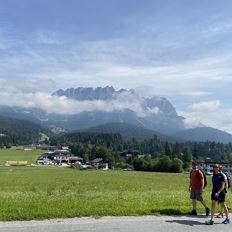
(213, 205)
(224, 207)
(194, 204)
(200, 198)
(193, 196)
(211, 221)
(220, 215)
(207, 210)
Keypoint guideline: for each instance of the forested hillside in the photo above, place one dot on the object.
(16, 132)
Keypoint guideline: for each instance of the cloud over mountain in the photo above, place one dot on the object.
(26, 96)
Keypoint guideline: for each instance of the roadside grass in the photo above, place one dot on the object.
(28, 193)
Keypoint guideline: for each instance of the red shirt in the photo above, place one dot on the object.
(196, 177)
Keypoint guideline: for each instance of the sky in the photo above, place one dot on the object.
(178, 49)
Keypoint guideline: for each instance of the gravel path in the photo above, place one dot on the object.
(119, 224)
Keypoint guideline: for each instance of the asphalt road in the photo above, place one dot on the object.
(118, 224)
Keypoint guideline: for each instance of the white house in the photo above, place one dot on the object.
(207, 167)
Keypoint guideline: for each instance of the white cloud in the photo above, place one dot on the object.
(200, 113)
(47, 37)
(17, 95)
(221, 27)
(208, 113)
(192, 122)
(206, 106)
(13, 85)
(196, 93)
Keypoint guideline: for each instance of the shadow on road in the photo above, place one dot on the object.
(186, 222)
(166, 211)
(175, 213)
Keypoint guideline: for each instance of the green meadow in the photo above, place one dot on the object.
(28, 193)
(18, 154)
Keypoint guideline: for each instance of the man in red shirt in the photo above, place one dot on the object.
(196, 187)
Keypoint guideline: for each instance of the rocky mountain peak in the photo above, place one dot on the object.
(108, 93)
(162, 104)
(88, 93)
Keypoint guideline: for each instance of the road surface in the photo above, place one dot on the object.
(117, 224)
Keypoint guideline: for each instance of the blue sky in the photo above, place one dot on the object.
(178, 49)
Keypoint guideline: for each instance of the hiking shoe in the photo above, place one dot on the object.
(220, 215)
(226, 221)
(207, 212)
(193, 212)
(209, 222)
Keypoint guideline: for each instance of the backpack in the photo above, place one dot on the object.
(205, 179)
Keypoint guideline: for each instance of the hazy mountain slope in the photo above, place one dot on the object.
(204, 134)
(127, 131)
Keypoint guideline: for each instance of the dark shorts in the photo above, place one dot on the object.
(221, 198)
(196, 194)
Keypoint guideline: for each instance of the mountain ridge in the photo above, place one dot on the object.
(202, 134)
(128, 131)
(155, 113)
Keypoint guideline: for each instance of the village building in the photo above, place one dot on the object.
(59, 157)
(207, 167)
(129, 153)
(99, 163)
(49, 148)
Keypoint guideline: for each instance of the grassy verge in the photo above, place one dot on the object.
(38, 193)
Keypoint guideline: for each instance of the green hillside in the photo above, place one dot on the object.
(16, 131)
(129, 131)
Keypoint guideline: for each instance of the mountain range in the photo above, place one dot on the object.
(154, 113)
(123, 111)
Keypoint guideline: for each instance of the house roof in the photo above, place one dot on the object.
(75, 158)
(97, 160)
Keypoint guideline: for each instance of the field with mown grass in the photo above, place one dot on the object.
(37, 193)
(18, 154)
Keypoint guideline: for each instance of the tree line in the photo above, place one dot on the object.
(153, 154)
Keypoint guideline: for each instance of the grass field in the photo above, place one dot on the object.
(19, 155)
(37, 193)
(53, 192)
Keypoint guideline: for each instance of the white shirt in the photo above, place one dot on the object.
(225, 178)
